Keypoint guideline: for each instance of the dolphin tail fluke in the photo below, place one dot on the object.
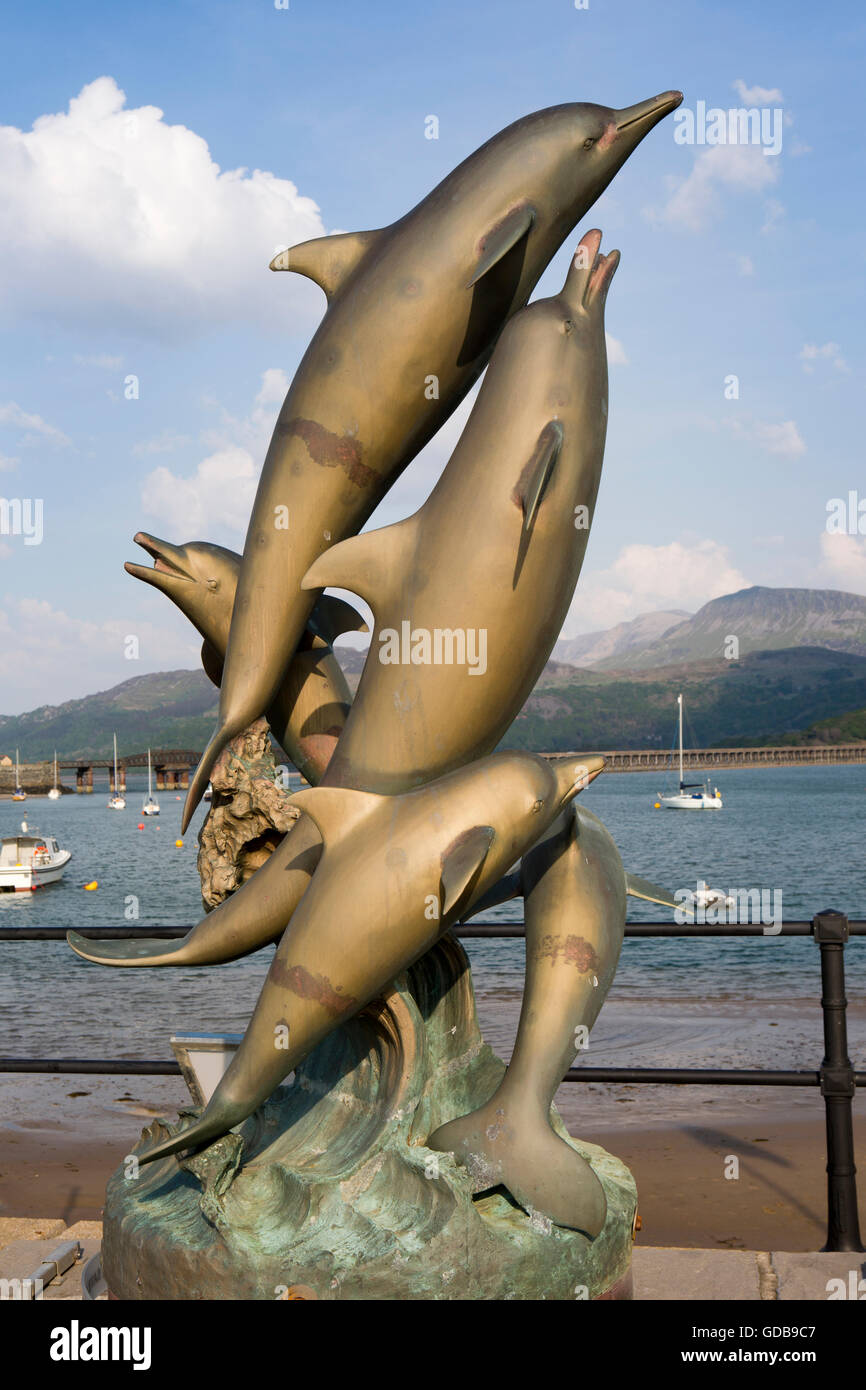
(217, 1120)
(649, 892)
(514, 1145)
(131, 950)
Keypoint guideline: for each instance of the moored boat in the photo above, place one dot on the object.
(692, 796)
(54, 793)
(30, 860)
(151, 805)
(19, 793)
(116, 802)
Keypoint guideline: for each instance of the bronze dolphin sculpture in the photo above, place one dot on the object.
(575, 890)
(395, 873)
(414, 310)
(310, 708)
(516, 538)
(487, 568)
(523, 540)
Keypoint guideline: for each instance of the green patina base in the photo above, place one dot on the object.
(329, 1191)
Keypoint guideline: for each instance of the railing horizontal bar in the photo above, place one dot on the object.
(658, 1076)
(687, 1076)
(466, 930)
(89, 1066)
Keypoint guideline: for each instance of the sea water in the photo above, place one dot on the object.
(713, 1002)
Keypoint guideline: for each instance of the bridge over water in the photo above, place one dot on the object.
(172, 766)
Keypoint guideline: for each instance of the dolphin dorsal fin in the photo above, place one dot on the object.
(372, 565)
(461, 864)
(329, 260)
(333, 616)
(499, 240)
(536, 475)
(335, 810)
(649, 892)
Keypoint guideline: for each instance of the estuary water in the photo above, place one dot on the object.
(798, 832)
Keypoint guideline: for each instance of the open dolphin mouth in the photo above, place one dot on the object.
(166, 560)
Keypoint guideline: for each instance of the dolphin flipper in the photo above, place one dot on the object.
(541, 1171)
(500, 240)
(538, 470)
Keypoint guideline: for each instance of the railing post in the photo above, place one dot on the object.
(830, 930)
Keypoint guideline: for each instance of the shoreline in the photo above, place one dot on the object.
(776, 1201)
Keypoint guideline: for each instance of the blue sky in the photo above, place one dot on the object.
(132, 246)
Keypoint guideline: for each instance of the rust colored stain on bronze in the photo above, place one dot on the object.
(573, 949)
(333, 450)
(317, 987)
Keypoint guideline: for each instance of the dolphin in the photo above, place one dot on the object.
(310, 708)
(575, 890)
(508, 569)
(470, 593)
(414, 310)
(395, 873)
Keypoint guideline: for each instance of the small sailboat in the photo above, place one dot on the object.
(151, 805)
(116, 802)
(55, 792)
(692, 796)
(30, 860)
(19, 793)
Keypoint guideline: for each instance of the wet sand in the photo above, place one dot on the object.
(58, 1167)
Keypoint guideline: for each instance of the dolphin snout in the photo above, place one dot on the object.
(643, 116)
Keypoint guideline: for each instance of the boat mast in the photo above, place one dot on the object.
(680, 703)
(55, 769)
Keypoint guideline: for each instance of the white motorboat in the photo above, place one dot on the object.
(55, 792)
(692, 796)
(116, 802)
(19, 793)
(151, 805)
(30, 860)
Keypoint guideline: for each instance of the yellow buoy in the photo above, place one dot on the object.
(657, 806)
(89, 887)
(179, 844)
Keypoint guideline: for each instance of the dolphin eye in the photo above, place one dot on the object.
(589, 142)
(213, 583)
(537, 806)
(568, 326)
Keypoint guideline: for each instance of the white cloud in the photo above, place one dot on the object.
(218, 496)
(756, 96)
(695, 200)
(783, 438)
(99, 359)
(644, 578)
(615, 351)
(830, 352)
(46, 649)
(164, 443)
(34, 426)
(774, 212)
(843, 561)
(111, 215)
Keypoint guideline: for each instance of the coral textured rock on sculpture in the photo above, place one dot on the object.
(249, 815)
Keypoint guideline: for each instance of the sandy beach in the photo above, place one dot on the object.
(58, 1153)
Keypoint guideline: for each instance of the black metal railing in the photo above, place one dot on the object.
(836, 1077)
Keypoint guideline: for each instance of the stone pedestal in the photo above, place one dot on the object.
(329, 1192)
